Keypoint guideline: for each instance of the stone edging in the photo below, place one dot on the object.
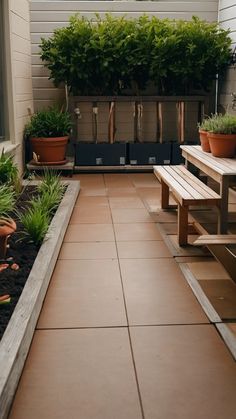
(16, 340)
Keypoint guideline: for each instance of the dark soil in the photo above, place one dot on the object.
(12, 282)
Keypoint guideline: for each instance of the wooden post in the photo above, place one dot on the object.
(111, 123)
(201, 111)
(181, 121)
(95, 122)
(135, 112)
(139, 122)
(159, 123)
(138, 115)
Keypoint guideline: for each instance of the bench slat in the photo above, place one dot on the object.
(189, 184)
(186, 187)
(187, 190)
(171, 182)
(197, 183)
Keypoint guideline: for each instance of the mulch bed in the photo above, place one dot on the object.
(12, 281)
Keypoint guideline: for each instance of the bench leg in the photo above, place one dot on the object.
(182, 225)
(164, 195)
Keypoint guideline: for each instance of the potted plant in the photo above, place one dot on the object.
(48, 131)
(203, 128)
(222, 135)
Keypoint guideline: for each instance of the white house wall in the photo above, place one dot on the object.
(48, 15)
(227, 19)
(20, 96)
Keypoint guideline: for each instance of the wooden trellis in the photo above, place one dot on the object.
(137, 104)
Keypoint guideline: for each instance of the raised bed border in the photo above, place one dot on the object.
(18, 335)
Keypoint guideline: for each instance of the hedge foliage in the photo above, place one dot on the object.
(108, 56)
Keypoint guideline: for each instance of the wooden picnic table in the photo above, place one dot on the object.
(221, 170)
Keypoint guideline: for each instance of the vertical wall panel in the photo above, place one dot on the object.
(20, 71)
(227, 19)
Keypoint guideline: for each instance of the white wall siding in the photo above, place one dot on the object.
(48, 15)
(227, 19)
(20, 94)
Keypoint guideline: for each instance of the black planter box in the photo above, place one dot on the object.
(87, 154)
(149, 153)
(176, 155)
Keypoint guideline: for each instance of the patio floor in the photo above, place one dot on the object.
(121, 334)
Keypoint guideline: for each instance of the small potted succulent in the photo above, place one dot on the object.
(222, 135)
(48, 131)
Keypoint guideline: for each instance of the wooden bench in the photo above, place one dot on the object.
(223, 248)
(187, 190)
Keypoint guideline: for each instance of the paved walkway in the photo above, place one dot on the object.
(121, 335)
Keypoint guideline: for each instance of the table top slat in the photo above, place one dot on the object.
(223, 166)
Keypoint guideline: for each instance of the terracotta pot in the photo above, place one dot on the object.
(50, 150)
(222, 145)
(204, 141)
(7, 227)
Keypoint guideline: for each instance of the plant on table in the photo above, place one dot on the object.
(222, 135)
(48, 130)
(204, 127)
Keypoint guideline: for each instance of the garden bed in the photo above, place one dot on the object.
(22, 253)
(16, 340)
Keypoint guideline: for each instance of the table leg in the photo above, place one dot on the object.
(223, 217)
(186, 163)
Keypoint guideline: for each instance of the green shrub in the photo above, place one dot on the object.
(110, 55)
(187, 55)
(36, 218)
(9, 172)
(48, 201)
(35, 222)
(51, 182)
(7, 200)
(50, 122)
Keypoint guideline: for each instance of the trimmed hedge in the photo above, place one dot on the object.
(114, 54)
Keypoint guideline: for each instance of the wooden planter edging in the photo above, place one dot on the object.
(16, 340)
